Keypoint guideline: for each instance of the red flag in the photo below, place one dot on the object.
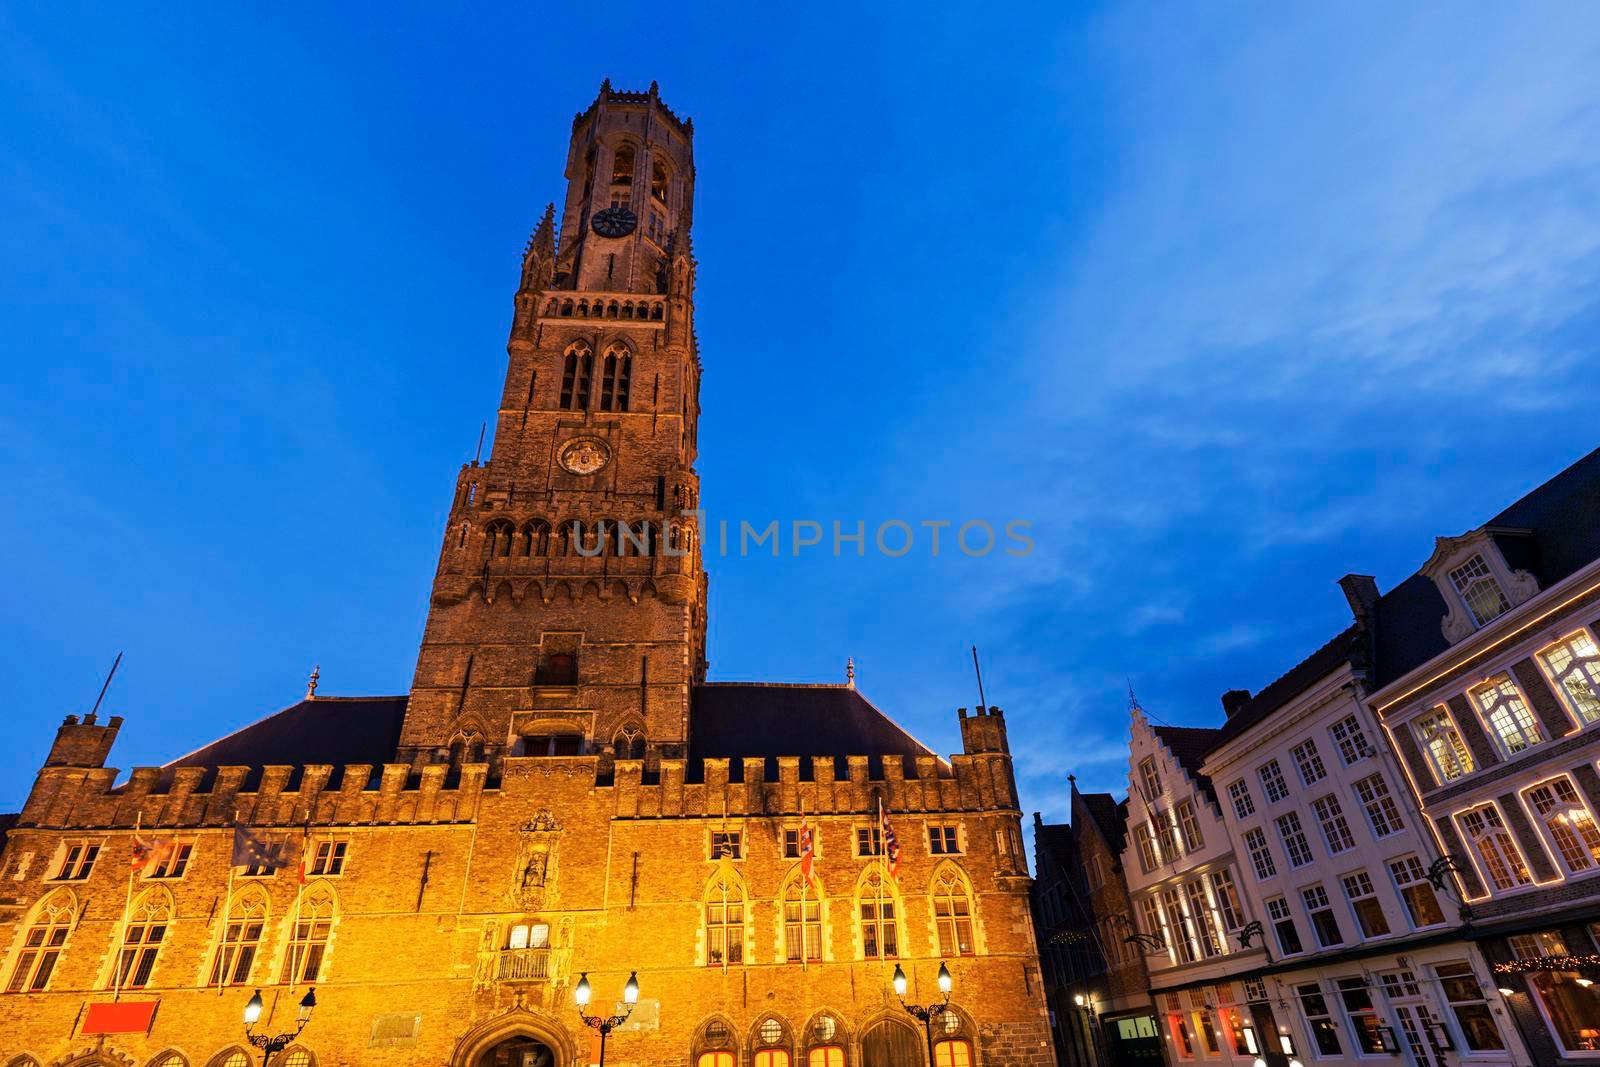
(891, 846)
(146, 852)
(806, 851)
(305, 847)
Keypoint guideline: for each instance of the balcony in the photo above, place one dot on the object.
(522, 965)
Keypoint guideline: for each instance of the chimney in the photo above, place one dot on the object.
(1233, 700)
(1361, 590)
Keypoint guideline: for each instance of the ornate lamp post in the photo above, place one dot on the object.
(605, 1024)
(924, 1013)
(270, 1046)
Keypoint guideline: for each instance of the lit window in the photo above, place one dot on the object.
(1189, 823)
(141, 941)
(825, 1056)
(1260, 855)
(1574, 663)
(241, 938)
(1335, 830)
(1179, 924)
(724, 923)
(1421, 901)
(1495, 849)
(1323, 921)
(1153, 923)
(77, 861)
(1309, 762)
(42, 946)
(329, 859)
(1227, 895)
(1470, 1006)
(1324, 1031)
(622, 166)
(715, 1059)
(1568, 823)
(1294, 841)
(1572, 1007)
(1272, 781)
(1149, 778)
(1479, 592)
(802, 923)
(771, 1057)
(952, 915)
(1350, 739)
(302, 962)
(1436, 733)
(1364, 902)
(1244, 804)
(1382, 812)
(952, 1054)
(879, 932)
(1283, 926)
(1148, 859)
(1363, 1015)
(1166, 833)
(1200, 912)
(942, 841)
(1509, 719)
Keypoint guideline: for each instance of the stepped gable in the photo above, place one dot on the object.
(748, 719)
(323, 730)
(1189, 746)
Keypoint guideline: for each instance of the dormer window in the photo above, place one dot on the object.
(1480, 593)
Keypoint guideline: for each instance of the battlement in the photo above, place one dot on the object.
(83, 742)
(627, 97)
(984, 730)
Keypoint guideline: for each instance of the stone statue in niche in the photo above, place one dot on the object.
(535, 864)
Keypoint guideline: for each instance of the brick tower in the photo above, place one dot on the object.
(568, 609)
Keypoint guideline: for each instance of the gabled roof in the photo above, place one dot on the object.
(1110, 817)
(331, 730)
(730, 720)
(1551, 532)
(1189, 745)
(1302, 676)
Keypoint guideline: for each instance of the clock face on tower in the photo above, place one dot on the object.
(614, 222)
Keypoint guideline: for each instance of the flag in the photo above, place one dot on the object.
(305, 850)
(147, 852)
(252, 850)
(805, 848)
(891, 846)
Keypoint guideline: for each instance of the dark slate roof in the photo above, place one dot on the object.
(1302, 676)
(1562, 535)
(1189, 745)
(331, 730)
(730, 720)
(1110, 816)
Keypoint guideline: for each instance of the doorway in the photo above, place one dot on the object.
(520, 1051)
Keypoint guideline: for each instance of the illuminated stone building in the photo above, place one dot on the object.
(561, 792)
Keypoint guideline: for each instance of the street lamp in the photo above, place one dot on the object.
(276, 1043)
(924, 1013)
(605, 1024)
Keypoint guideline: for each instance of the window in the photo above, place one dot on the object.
(1510, 722)
(615, 378)
(952, 915)
(77, 861)
(309, 943)
(1572, 1008)
(715, 1059)
(1180, 1033)
(329, 860)
(791, 842)
(1567, 822)
(724, 922)
(622, 165)
(1324, 1031)
(1272, 783)
(1480, 594)
(1094, 873)
(1149, 778)
(1166, 834)
(1415, 889)
(869, 840)
(727, 844)
(1364, 900)
(1294, 841)
(577, 369)
(1447, 754)
(942, 841)
(1335, 830)
(1148, 859)
(770, 1057)
(1260, 856)
(802, 923)
(42, 946)
(1323, 921)
(1350, 739)
(1200, 913)
(1283, 926)
(1189, 824)
(1244, 804)
(1178, 923)
(1471, 1008)
(1383, 815)
(1363, 1016)
(241, 938)
(629, 742)
(1309, 762)
(1574, 663)
(550, 744)
(171, 861)
(879, 932)
(1227, 895)
(141, 941)
(825, 1056)
(1496, 851)
(952, 1054)
(1208, 1033)
(1152, 920)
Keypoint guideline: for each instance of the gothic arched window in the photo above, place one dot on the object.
(880, 931)
(497, 538)
(241, 938)
(802, 921)
(715, 1045)
(622, 165)
(952, 914)
(141, 940)
(616, 376)
(724, 922)
(629, 742)
(658, 181)
(771, 1044)
(308, 943)
(537, 533)
(43, 944)
(576, 371)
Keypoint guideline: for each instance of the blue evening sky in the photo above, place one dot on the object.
(1226, 300)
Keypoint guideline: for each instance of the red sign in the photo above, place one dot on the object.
(124, 1017)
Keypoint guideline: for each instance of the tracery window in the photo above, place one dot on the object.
(1480, 594)
(1568, 823)
(1495, 848)
(724, 907)
(1509, 718)
(1574, 663)
(241, 938)
(576, 372)
(535, 539)
(308, 944)
(1436, 733)
(42, 945)
(952, 915)
(629, 742)
(141, 941)
(880, 934)
(802, 922)
(617, 373)
(497, 537)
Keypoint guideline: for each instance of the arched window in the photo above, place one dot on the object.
(497, 538)
(466, 747)
(1496, 849)
(714, 1045)
(1568, 823)
(169, 1059)
(802, 921)
(825, 1056)
(576, 372)
(43, 944)
(724, 904)
(658, 180)
(241, 938)
(141, 940)
(22, 1061)
(622, 165)
(880, 932)
(771, 1044)
(295, 1057)
(308, 943)
(952, 914)
(615, 379)
(537, 533)
(1574, 663)
(629, 742)
(233, 1057)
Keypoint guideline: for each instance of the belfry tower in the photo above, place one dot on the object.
(568, 609)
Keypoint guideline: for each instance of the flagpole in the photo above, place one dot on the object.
(299, 893)
(881, 873)
(127, 906)
(227, 908)
(805, 930)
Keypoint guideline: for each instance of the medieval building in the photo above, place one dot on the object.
(562, 793)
